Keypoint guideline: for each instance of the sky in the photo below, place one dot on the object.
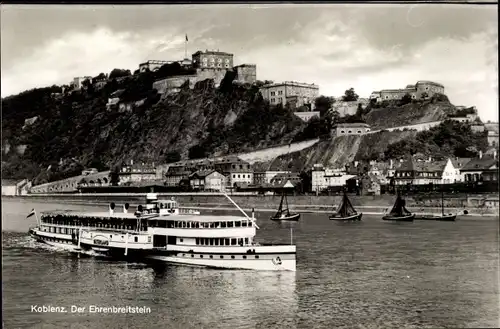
(336, 46)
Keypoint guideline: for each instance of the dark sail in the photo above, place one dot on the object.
(399, 208)
(280, 208)
(346, 209)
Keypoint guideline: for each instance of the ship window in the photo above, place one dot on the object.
(110, 236)
(211, 241)
(183, 255)
(232, 257)
(221, 256)
(216, 242)
(229, 224)
(206, 241)
(256, 257)
(181, 240)
(244, 223)
(192, 255)
(135, 239)
(237, 224)
(201, 256)
(197, 241)
(244, 257)
(233, 242)
(217, 224)
(223, 224)
(246, 240)
(226, 242)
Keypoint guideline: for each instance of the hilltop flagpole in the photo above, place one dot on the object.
(185, 46)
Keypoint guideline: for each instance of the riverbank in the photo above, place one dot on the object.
(474, 205)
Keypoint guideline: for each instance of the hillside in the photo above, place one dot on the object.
(449, 139)
(77, 130)
(395, 115)
(339, 151)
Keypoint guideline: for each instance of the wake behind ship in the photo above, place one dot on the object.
(160, 231)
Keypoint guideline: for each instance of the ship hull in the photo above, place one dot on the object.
(293, 217)
(348, 218)
(444, 218)
(408, 218)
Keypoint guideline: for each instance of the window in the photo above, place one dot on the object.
(232, 257)
(201, 256)
(359, 131)
(256, 257)
(135, 239)
(244, 257)
(238, 176)
(350, 131)
(342, 132)
(272, 100)
(221, 256)
(192, 255)
(280, 92)
(233, 242)
(273, 93)
(211, 256)
(181, 240)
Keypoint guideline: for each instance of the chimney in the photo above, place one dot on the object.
(480, 154)
(391, 164)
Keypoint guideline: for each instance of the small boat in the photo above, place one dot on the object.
(399, 211)
(346, 211)
(443, 217)
(284, 213)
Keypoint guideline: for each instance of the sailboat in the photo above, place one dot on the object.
(399, 211)
(443, 216)
(284, 213)
(346, 211)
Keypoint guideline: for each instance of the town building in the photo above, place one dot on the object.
(89, 171)
(343, 129)
(77, 82)
(246, 73)
(492, 138)
(458, 164)
(286, 180)
(420, 90)
(72, 184)
(153, 65)
(114, 99)
(265, 177)
(212, 59)
(345, 108)
(295, 94)
(481, 169)
(323, 178)
(413, 172)
(130, 174)
(208, 180)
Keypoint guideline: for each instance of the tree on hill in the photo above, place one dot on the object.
(449, 139)
(350, 95)
(323, 104)
(406, 99)
(172, 156)
(118, 73)
(197, 152)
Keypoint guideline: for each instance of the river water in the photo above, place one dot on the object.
(371, 274)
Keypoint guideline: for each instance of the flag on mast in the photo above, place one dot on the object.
(32, 213)
(187, 38)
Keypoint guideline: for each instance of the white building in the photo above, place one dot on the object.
(322, 178)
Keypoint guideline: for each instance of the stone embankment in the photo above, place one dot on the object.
(483, 205)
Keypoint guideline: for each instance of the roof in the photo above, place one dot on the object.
(429, 82)
(286, 176)
(201, 218)
(484, 163)
(211, 52)
(348, 125)
(202, 173)
(118, 93)
(458, 163)
(412, 165)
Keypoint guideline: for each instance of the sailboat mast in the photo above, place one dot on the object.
(442, 201)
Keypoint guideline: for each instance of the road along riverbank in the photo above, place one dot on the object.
(473, 205)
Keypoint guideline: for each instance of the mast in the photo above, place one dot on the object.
(442, 201)
(287, 208)
(244, 213)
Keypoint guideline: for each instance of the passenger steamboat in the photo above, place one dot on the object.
(161, 231)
